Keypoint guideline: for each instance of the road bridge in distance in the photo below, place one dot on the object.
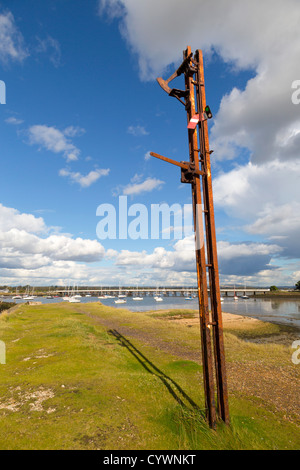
(167, 292)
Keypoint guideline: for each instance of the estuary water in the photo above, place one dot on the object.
(286, 312)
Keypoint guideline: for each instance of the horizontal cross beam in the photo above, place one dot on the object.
(184, 165)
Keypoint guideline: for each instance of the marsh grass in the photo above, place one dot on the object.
(72, 383)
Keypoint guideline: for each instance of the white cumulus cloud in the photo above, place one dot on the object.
(234, 258)
(14, 121)
(11, 218)
(29, 253)
(12, 47)
(54, 140)
(51, 47)
(137, 131)
(84, 180)
(148, 185)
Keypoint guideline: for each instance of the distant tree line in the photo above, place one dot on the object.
(275, 288)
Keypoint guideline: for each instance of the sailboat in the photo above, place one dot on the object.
(49, 296)
(17, 296)
(137, 297)
(157, 297)
(66, 297)
(188, 296)
(245, 297)
(27, 296)
(235, 297)
(121, 296)
(120, 301)
(73, 299)
(101, 296)
(77, 296)
(105, 296)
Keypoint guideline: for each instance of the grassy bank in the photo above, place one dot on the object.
(291, 295)
(85, 376)
(6, 306)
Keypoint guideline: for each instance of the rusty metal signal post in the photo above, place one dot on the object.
(197, 172)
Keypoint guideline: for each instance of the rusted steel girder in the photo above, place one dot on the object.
(207, 358)
(211, 242)
(197, 172)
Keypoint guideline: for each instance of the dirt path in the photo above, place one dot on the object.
(276, 386)
(149, 338)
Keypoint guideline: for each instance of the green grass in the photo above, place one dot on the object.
(279, 294)
(71, 383)
(175, 313)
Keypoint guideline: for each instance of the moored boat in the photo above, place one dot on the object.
(74, 300)
(120, 301)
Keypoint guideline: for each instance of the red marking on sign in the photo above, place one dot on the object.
(194, 121)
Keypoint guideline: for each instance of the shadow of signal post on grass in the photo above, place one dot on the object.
(173, 388)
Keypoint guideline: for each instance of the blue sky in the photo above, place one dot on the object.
(83, 110)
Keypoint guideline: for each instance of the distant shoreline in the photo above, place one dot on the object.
(277, 295)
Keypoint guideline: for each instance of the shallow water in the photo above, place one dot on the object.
(286, 312)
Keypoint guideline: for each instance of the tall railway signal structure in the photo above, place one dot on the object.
(197, 172)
